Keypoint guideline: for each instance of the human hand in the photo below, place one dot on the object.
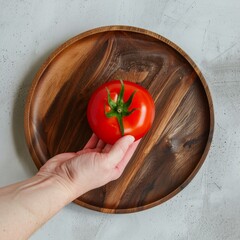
(62, 179)
(94, 166)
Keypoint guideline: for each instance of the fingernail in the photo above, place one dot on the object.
(131, 138)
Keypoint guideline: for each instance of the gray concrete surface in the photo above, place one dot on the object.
(209, 31)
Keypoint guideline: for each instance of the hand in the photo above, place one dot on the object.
(61, 180)
(94, 166)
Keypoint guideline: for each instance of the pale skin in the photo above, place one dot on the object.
(27, 205)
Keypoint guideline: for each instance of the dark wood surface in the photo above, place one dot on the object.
(174, 149)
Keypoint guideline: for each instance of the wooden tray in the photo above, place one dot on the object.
(171, 153)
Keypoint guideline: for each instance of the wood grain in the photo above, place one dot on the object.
(171, 153)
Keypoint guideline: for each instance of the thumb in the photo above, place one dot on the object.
(119, 149)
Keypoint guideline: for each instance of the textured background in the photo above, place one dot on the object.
(209, 31)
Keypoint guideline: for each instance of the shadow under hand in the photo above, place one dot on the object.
(18, 116)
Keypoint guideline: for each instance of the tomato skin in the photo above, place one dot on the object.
(136, 124)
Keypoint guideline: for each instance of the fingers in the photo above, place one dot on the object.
(107, 148)
(125, 160)
(119, 149)
(92, 142)
(87, 151)
(100, 144)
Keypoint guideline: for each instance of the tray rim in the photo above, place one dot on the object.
(133, 29)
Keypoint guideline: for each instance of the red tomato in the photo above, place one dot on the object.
(120, 108)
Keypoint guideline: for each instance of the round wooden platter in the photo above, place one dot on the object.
(176, 146)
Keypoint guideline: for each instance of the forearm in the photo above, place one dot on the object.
(27, 205)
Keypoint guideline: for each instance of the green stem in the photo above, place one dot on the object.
(120, 122)
(120, 109)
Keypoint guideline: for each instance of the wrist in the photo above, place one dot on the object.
(65, 188)
(44, 186)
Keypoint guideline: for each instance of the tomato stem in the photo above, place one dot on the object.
(119, 109)
(120, 122)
